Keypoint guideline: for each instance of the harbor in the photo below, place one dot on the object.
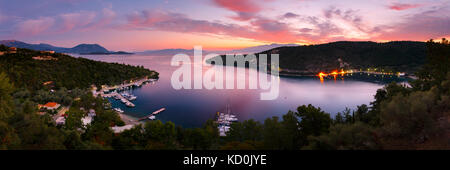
(120, 93)
(123, 94)
(224, 120)
(126, 86)
(117, 91)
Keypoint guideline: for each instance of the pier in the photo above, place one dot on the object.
(138, 83)
(153, 114)
(118, 96)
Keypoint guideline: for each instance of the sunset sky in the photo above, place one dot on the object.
(136, 25)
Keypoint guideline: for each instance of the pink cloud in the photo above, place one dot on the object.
(245, 9)
(401, 6)
(243, 16)
(35, 26)
(261, 29)
(72, 20)
(107, 17)
(421, 26)
(248, 6)
(80, 21)
(290, 15)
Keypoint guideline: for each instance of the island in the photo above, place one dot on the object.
(377, 58)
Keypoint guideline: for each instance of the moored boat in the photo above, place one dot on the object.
(118, 110)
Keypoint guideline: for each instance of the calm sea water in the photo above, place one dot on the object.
(191, 108)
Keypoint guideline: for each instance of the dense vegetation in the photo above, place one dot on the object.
(399, 56)
(65, 71)
(416, 117)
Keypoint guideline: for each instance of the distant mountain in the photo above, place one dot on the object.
(255, 49)
(167, 52)
(79, 49)
(89, 48)
(108, 53)
(405, 56)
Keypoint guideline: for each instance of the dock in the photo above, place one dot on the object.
(126, 86)
(113, 91)
(152, 114)
(118, 96)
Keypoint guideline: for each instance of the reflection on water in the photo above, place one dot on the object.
(191, 108)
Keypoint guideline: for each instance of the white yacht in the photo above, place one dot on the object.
(129, 104)
(118, 110)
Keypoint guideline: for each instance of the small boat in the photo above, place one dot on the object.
(118, 110)
(116, 97)
(159, 111)
(129, 104)
(152, 117)
(131, 98)
(224, 121)
(124, 100)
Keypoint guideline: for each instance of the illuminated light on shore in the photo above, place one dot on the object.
(321, 74)
(334, 73)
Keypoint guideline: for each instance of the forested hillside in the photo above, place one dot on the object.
(403, 56)
(416, 117)
(64, 71)
(81, 48)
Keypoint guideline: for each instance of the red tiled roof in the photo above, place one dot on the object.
(51, 104)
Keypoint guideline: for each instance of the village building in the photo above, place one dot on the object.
(12, 50)
(47, 83)
(60, 120)
(50, 106)
(51, 52)
(44, 58)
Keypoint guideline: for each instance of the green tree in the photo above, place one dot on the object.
(73, 119)
(8, 138)
(272, 138)
(246, 130)
(410, 117)
(357, 136)
(338, 119)
(290, 132)
(6, 102)
(313, 121)
(435, 71)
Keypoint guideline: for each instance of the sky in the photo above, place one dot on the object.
(137, 25)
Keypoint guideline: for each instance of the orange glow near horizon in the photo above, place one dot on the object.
(321, 75)
(334, 73)
(342, 72)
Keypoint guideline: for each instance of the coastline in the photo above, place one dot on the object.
(129, 120)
